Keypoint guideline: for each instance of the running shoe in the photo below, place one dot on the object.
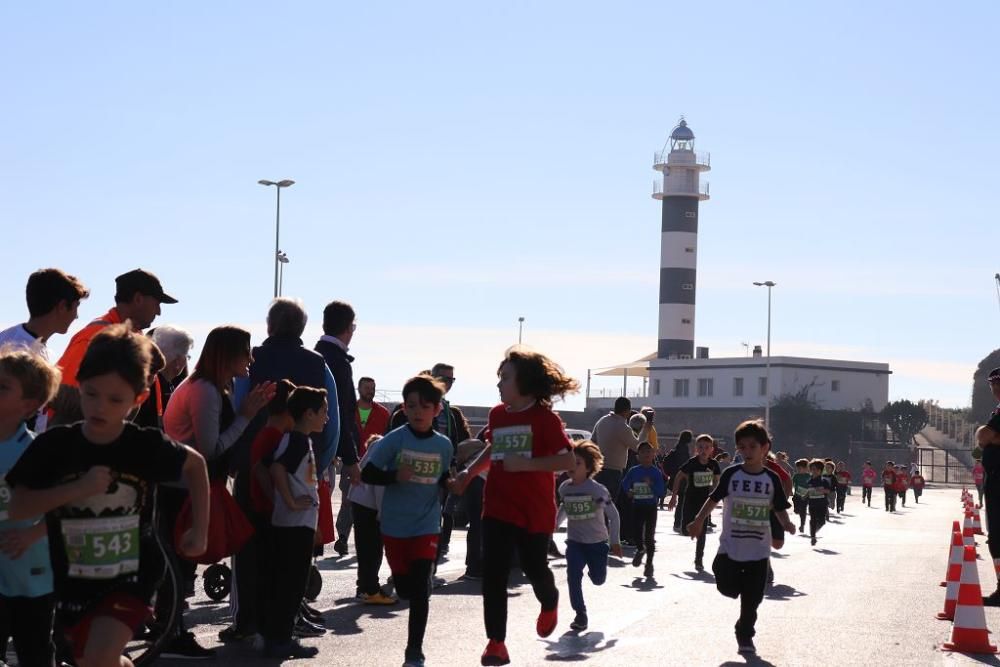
(471, 576)
(648, 571)
(547, 621)
(380, 599)
(340, 547)
(415, 661)
(579, 623)
(746, 647)
(311, 613)
(495, 654)
(637, 558)
(698, 565)
(235, 634)
(304, 629)
(993, 599)
(290, 649)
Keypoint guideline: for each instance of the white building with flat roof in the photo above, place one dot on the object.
(742, 382)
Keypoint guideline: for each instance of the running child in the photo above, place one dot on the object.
(978, 475)
(293, 524)
(868, 477)
(527, 445)
(94, 480)
(829, 474)
(644, 485)
(818, 495)
(751, 491)
(902, 483)
(366, 508)
(842, 477)
(412, 462)
(889, 486)
(27, 382)
(588, 506)
(703, 472)
(800, 482)
(917, 482)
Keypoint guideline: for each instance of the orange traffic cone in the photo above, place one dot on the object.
(953, 580)
(968, 534)
(968, 632)
(954, 557)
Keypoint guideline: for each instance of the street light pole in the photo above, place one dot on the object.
(282, 260)
(520, 329)
(277, 225)
(767, 406)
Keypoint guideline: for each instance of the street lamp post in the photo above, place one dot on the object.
(520, 329)
(282, 260)
(767, 406)
(277, 224)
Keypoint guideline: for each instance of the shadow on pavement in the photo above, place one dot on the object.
(574, 647)
(781, 592)
(688, 575)
(343, 620)
(982, 658)
(827, 552)
(643, 584)
(342, 563)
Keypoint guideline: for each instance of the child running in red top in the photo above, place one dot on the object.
(902, 483)
(868, 477)
(527, 445)
(917, 482)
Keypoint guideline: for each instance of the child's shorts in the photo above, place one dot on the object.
(401, 551)
(123, 607)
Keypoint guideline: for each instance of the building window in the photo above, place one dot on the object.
(656, 387)
(762, 386)
(680, 388)
(688, 249)
(835, 385)
(705, 386)
(690, 214)
(687, 286)
(737, 386)
(685, 320)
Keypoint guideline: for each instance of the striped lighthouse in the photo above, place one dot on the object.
(680, 192)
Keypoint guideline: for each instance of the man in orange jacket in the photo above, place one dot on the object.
(138, 295)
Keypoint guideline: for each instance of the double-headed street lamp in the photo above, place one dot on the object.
(767, 382)
(277, 225)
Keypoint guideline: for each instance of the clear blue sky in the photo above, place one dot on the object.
(462, 164)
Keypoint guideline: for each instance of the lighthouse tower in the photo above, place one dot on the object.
(680, 192)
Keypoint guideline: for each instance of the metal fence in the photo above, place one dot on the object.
(938, 466)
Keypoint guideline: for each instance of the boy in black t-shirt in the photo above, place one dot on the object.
(95, 480)
(703, 474)
(818, 495)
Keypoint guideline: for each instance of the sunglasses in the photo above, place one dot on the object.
(446, 379)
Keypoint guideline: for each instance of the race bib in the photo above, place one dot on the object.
(642, 491)
(703, 478)
(515, 440)
(426, 466)
(580, 507)
(102, 548)
(751, 512)
(842, 479)
(4, 500)
(817, 492)
(801, 491)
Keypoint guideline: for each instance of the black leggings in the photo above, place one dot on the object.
(745, 580)
(415, 587)
(866, 494)
(368, 543)
(817, 515)
(29, 622)
(644, 528)
(499, 541)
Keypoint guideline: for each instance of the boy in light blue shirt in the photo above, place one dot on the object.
(412, 462)
(27, 382)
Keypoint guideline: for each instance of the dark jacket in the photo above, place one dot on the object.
(457, 426)
(339, 363)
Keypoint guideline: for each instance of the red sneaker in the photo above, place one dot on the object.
(547, 621)
(495, 654)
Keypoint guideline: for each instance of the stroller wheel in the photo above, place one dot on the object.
(315, 583)
(217, 581)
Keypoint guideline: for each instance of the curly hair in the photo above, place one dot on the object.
(538, 376)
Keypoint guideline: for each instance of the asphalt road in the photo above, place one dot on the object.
(865, 594)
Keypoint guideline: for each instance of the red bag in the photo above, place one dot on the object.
(324, 525)
(228, 527)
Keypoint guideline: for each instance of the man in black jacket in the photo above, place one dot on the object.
(338, 330)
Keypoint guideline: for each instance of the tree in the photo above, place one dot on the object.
(905, 419)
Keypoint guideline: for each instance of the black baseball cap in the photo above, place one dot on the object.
(144, 282)
(994, 375)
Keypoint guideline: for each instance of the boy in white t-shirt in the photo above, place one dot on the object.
(751, 492)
